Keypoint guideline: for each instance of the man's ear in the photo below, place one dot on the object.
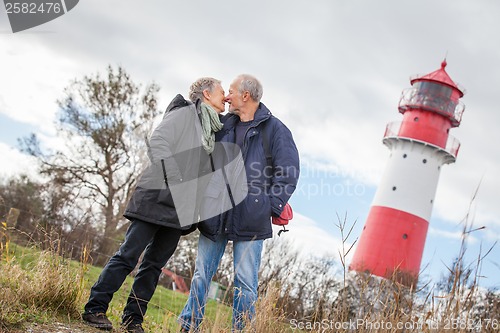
(245, 96)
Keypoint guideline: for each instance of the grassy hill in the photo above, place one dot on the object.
(43, 292)
(41, 287)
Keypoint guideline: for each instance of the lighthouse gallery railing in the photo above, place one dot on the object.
(452, 145)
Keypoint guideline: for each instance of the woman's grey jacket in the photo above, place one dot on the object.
(169, 191)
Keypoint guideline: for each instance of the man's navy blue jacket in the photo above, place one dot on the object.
(269, 187)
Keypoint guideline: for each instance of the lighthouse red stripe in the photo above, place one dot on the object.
(425, 126)
(392, 241)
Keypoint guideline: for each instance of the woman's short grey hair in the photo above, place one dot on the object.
(252, 85)
(197, 88)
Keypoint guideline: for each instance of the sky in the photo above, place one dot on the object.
(333, 71)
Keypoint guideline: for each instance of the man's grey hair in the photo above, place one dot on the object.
(252, 85)
(197, 88)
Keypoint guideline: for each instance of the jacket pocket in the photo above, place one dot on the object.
(256, 211)
(213, 201)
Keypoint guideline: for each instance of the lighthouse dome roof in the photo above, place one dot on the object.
(439, 76)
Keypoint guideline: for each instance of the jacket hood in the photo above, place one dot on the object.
(177, 102)
(262, 113)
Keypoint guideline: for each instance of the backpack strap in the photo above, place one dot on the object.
(269, 158)
(266, 144)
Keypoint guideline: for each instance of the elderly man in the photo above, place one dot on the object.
(270, 183)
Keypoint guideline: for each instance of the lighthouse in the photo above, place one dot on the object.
(393, 238)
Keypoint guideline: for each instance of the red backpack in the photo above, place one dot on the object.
(286, 215)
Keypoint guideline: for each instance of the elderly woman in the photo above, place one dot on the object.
(164, 203)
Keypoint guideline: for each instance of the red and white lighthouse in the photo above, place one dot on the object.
(392, 241)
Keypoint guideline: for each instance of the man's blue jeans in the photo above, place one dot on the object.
(247, 257)
(159, 243)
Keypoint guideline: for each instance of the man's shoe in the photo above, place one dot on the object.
(97, 320)
(133, 328)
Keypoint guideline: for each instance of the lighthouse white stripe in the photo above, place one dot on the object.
(410, 179)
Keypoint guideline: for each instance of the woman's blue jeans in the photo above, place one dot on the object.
(247, 257)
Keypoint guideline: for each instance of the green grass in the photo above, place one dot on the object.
(162, 312)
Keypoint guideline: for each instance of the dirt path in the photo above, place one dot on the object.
(58, 327)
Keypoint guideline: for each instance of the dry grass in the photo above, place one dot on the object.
(48, 286)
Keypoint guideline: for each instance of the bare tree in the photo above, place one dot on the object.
(102, 123)
(307, 284)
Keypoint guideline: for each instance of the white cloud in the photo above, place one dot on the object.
(14, 163)
(310, 239)
(453, 235)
